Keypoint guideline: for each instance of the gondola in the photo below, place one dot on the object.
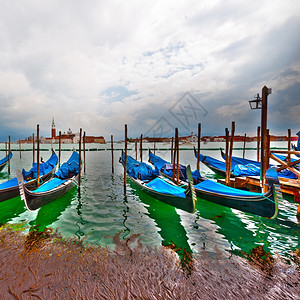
(10, 189)
(261, 204)
(241, 166)
(63, 181)
(148, 180)
(217, 166)
(4, 161)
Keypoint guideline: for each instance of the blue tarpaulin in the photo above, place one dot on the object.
(140, 170)
(214, 187)
(45, 168)
(159, 185)
(69, 168)
(166, 168)
(5, 159)
(242, 167)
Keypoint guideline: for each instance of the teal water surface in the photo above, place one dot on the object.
(101, 210)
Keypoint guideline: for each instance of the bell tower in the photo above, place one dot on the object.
(53, 130)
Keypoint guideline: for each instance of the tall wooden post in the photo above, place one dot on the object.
(141, 148)
(84, 161)
(198, 149)
(33, 148)
(20, 150)
(258, 142)
(226, 142)
(79, 174)
(174, 156)
(125, 161)
(289, 146)
(154, 148)
(244, 147)
(268, 149)
(264, 154)
(112, 153)
(172, 151)
(59, 148)
(228, 158)
(177, 157)
(38, 154)
(8, 154)
(136, 149)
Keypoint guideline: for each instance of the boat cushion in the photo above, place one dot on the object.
(49, 185)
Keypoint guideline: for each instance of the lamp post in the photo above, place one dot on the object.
(262, 103)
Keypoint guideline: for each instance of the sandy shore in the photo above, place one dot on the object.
(46, 266)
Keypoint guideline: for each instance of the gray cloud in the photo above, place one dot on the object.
(99, 65)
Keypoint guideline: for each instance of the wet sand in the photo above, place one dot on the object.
(46, 266)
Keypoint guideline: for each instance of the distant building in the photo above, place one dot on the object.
(66, 138)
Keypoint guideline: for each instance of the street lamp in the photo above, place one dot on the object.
(256, 103)
(262, 103)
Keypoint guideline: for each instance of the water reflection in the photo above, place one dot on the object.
(125, 212)
(167, 221)
(51, 212)
(10, 209)
(244, 231)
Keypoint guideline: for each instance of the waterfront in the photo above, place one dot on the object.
(101, 210)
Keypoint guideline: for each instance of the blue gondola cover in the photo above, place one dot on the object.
(69, 168)
(162, 186)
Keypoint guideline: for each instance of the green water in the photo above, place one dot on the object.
(101, 210)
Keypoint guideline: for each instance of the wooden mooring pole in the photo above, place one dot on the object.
(172, 151)
(244, 146)
(79, 174)
(228, 158)
(226, 142)
(9, 154)
(258, 142)
(84, 161)
(136, 142)
(38, 154)
(141, 148)
(112, 153)
(177, 150)
(125, 160)
(289, 145)
(59, 148)
(198, 148)
(174, 156)
(33, 148)
(20, 150)
(264, 146)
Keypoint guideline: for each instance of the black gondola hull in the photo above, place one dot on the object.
(262, 205)
(13, 192)
(34, 200)
(186, 204)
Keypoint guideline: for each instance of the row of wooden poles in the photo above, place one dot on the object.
(174, 156)
(81, 142)
(228, 152)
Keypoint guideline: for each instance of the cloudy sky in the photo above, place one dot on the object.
(154, 65)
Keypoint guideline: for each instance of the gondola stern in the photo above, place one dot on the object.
(273, 181)
(22, 187)
(190, 191)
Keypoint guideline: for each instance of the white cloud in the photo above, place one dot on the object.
(58, 58)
